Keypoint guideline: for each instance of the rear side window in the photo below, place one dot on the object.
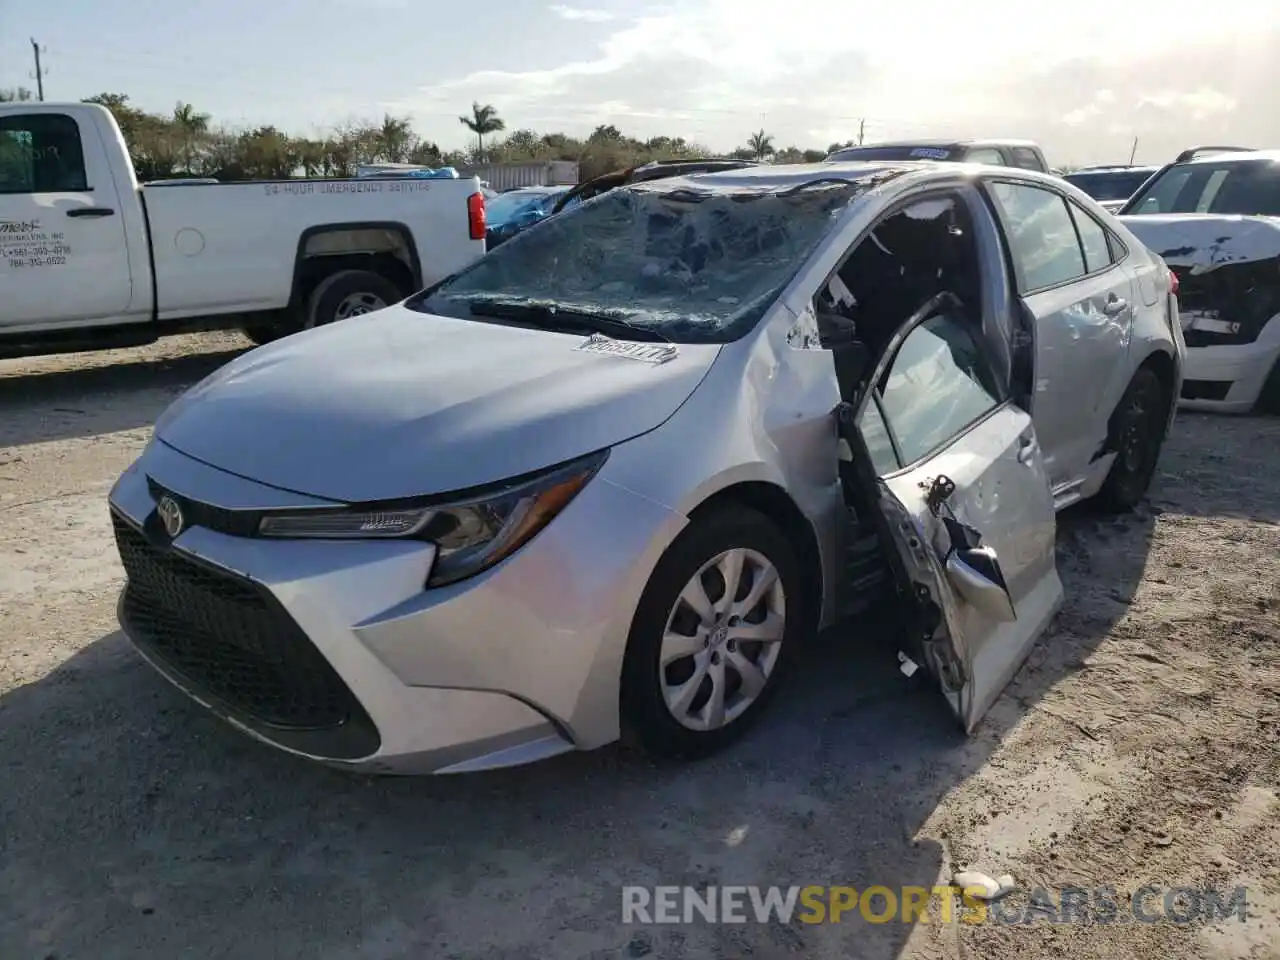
(986, 155)
(1093, 239)
(938, 384)
(1042, 238)
(1027, 159)
(41, 153)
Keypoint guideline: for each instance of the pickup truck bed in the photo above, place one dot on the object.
(88, 258)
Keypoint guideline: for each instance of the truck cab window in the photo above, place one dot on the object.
(41, 153)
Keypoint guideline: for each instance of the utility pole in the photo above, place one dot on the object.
(1134, 152)
(35, 49)
(862, 129)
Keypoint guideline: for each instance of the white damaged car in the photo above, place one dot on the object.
(1214, 216)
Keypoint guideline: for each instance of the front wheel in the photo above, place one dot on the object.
(714, 635)
(1136, 433)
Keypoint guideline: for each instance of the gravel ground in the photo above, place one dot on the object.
(1138, 746)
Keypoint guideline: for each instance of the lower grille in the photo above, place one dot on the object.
(1205, 389)
(230, 639)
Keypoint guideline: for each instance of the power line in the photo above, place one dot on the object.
(36, 50)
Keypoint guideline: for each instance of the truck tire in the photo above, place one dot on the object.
(349, 293)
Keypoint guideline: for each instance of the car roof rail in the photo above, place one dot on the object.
(1195, 152)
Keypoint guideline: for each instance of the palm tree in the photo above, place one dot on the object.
(395, 139)
(484, 119)
(761, 144)
(192, 127)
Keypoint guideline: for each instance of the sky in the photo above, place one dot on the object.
(1084, 78)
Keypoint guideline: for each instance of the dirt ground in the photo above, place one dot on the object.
(1139, 746)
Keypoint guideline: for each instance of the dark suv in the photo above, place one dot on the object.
(1000, 153)
(1110, 186)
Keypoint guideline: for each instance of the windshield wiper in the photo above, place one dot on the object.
(564, 319)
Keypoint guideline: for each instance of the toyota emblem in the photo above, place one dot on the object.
(170, 515)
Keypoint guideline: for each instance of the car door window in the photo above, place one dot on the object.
(937, 385)
(1093, 239)
(41, 153)
(1041, 235)
(985, 155)
(875, 434)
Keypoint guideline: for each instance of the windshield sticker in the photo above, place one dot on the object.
(930, 153)
(645, 352)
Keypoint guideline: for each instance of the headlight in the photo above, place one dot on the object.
(470, 535)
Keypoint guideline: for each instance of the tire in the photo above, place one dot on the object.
(1268, 402)
(1136, 432)
(349, 293)
(647, 719)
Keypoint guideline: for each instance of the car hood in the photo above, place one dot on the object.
(400, 404)
(1206, 241)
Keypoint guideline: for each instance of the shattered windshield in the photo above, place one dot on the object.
(682, 265)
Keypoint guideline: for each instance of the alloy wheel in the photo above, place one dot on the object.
(722, 639)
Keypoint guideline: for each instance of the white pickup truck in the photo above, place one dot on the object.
(89, 259)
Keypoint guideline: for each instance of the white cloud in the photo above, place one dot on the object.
(812, 71)
(579, 13)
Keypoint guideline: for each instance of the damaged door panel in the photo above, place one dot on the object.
(963, 505)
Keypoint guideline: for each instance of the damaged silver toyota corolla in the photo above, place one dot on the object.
(610, 478)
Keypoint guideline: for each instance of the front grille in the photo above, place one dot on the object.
(228, 638)
(1245, 293)
(235, 523)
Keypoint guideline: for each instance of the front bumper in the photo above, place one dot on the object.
(1227, 379)
(332, 650)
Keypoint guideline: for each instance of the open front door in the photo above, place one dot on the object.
(966, 503)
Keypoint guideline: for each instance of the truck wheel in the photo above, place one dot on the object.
(713, 637)
(1137, 434)
(349, 293)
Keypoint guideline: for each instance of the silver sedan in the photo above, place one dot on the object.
(611, 477)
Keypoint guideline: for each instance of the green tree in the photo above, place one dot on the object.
(191, 128)
(483, 121)
(761, 145)
(395, 139)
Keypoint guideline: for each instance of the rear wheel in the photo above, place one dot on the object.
(1136, 434)
(349, 293)
(714, 635)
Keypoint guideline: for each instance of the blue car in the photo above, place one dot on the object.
(509, 213)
